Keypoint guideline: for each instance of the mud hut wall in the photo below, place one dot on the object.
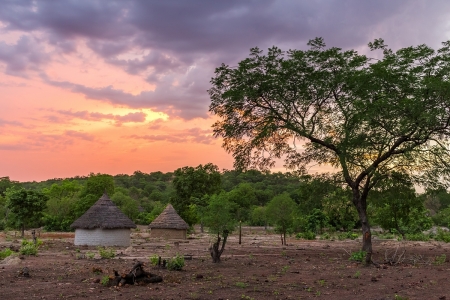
(102, 237)
(168, 233)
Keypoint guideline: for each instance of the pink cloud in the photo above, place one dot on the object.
(195, 135)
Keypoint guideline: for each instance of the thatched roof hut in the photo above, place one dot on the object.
(169, 225)
(103, 224)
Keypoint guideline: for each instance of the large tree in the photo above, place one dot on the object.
(193, 186)
(365, 117)
(25, 205)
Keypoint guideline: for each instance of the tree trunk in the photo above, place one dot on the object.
(23, 230)
(214, 249)
(361, 206)
(284, 238)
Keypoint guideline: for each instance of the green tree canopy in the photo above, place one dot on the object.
(220, 221)
(191, 185)
(397, 207)
(26, 206)
(365, 117)
(280, 211)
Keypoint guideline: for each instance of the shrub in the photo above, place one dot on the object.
(106, 253)
(28, 248)
(154, 259)
(440, 259)
(358, 256)
(417, 237)
(308, 235)
(5, 253)
(325, 236)
(105, 280)
(442, 235)
(347, 235)
(175, 263)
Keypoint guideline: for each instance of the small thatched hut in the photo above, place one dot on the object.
(103, 224)
(169, 225)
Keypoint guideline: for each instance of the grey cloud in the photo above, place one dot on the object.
(27, 54)
(79, 135)
(180, 34)
(10, 123)
(195, 135)
(187, 100)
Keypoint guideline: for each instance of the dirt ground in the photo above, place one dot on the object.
(259, 268)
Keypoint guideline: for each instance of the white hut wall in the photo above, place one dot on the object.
(102, 237)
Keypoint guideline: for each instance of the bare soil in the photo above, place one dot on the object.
(259, 268)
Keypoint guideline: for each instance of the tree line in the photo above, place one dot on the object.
(290, 202)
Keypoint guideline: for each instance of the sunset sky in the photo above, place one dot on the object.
(118, 86)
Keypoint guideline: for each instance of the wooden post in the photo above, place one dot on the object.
(240, 231)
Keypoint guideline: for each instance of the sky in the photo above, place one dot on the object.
(119, 86)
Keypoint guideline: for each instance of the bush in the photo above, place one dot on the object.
(347, 235)
(325, 236)
(417, 237)
(358, 256)
(29, 248)
(154, 259)
(5, 253)
(308, 235)
(106, 253)
(442, 235)
(175, 263)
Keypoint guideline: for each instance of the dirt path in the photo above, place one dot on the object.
(260, 268)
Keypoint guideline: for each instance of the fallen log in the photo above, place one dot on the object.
(137, 275)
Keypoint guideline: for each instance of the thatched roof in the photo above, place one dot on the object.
(169, 219)
(103, 214)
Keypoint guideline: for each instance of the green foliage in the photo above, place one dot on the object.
(398, 207)
(280, 211)
(105, 280)
(218, 216)
(308, 235)
(339, 210)
(26, 205)
(5, 253)
(29, 248)
(417, 237)
(90, 255)
(442, 235)
(243, 196)
(96, 185)
(126, 204)
(192, 185)
(154, 259)
(325, 236)
(106, 253)
(316, 221)
(258, 216)
(241, 284)
(347, 235)
(364, 117)
(175, 263)
(440, 259)
(358, 256)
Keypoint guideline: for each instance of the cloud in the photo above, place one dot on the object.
(79, 135)
(176, 45)
(193, 135)
(26, 55)
(187, 99)
(132, 117)
(50, 142)
(10, 123)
